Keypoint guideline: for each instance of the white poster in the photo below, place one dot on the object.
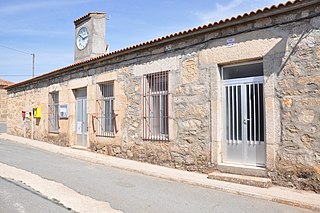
(79, 127)
(63, 111)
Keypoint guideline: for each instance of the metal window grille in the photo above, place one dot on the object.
(53, 112)
(155, 107)
(106, 117)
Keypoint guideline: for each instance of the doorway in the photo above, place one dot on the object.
(244, 117)
(81, 117)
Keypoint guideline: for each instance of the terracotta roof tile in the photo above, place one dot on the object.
(5, 83)
(212, 24)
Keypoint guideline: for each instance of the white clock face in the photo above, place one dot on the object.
(82, 38)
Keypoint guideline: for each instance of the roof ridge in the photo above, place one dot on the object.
(5, 82)
(86, 16)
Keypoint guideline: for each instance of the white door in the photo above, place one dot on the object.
(244, 133)
(81, 117)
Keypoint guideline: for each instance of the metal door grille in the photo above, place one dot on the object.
(105, 118)
(155, 106)
(253, 115)
(233, 114)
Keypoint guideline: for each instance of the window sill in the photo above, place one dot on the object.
(106, 136)
(54, 132)
(160, 139)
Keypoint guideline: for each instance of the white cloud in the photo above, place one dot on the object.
(232, 8)
(220, 11)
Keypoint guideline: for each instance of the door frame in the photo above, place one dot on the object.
(272, 118)
(240, 81)
(243, 83)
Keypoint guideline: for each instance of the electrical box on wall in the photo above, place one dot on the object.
(64, 111)
(28, 115)
(37, 112)
(23, 115)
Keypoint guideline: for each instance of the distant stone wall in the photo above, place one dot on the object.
(26, 101)
(3, 105)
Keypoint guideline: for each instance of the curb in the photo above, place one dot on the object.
(287, 196)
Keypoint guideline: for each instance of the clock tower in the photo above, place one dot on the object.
(90, 36)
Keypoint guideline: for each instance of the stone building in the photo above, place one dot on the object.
(240, 95)
(3, 104)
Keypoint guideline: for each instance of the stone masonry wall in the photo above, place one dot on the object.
(189, 111)
(26, 101)
(298, 91)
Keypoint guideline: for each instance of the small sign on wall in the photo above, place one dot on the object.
(231, 42)
(63, 111)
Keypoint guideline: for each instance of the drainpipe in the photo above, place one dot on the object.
(32, 123)
(210, 117)
(24, 128)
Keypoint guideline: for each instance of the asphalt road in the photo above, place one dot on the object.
(125, 191)
(17, 197)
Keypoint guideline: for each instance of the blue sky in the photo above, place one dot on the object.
(45, 27)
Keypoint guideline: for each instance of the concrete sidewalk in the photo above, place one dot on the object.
(303, 199)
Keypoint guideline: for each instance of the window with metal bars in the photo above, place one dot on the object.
(106, 117)
(53, 112)
(155, 106)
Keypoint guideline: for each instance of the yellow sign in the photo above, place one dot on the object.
(37, 112)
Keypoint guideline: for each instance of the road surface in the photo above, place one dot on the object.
(23, 167)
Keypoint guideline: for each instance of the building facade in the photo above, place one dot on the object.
(3, 104)
(239, 95)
